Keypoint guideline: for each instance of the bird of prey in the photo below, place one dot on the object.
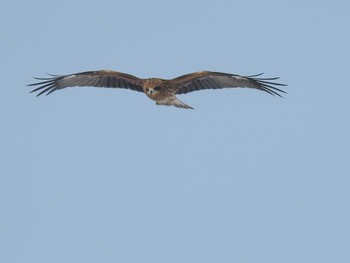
(163, 91)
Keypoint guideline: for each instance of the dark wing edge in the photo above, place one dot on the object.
(267, 84)
(217, 80)
(101, 78)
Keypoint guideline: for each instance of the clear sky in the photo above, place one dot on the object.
(105, 175)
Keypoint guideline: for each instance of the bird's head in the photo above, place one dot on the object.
(152, 90)
(153, 86)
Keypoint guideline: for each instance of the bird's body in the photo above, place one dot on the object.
(162, 91)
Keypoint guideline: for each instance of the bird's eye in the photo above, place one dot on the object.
(157, 88)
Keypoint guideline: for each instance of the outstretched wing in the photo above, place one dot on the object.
(101, 78)
(218, 80)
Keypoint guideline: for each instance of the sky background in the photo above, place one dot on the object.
(105, 175)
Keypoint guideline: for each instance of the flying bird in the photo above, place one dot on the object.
(162, 91)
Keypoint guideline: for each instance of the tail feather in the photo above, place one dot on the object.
(174, 102)
(178, 103)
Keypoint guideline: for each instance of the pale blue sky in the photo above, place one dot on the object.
(102, 175)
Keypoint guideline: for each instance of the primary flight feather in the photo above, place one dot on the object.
(163, 91)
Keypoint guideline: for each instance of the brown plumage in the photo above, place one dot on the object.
(160, 90)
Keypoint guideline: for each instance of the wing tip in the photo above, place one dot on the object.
(268, 85)
(47, 85)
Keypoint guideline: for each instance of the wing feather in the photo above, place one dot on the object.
(218, 80)
(101, 78)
